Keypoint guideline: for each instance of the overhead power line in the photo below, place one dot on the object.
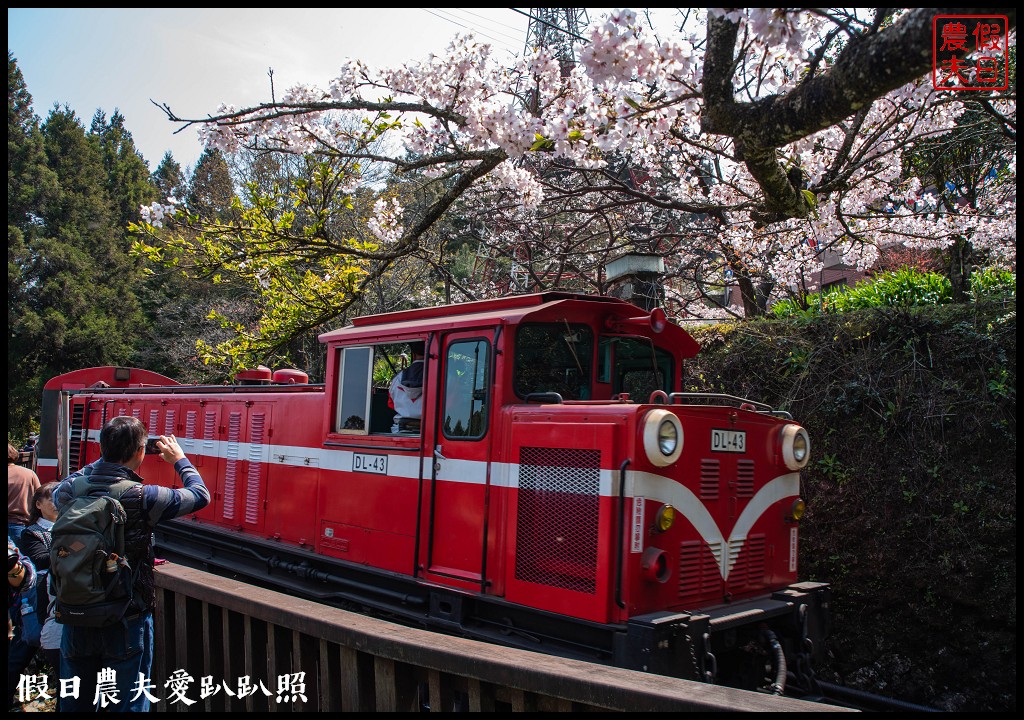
(466, 24)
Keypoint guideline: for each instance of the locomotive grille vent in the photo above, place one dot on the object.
(749, 567)
(169, 422)
(745, 478)
(209, 430)
(556, 533)
(76, 438)
(231, 466)
(257, 424)
(698, 569)
(710, 474)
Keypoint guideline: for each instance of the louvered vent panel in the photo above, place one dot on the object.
(209, 433)
(257, 425)
(699, 573)
(556, 533)
(231, 465)
(749, 567)
(710, 477)
(745, 478)
(169, 422)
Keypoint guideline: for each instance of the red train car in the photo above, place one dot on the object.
(561, 492)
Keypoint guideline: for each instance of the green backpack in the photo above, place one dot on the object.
(92, 580)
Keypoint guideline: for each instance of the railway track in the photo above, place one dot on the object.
(868, 702)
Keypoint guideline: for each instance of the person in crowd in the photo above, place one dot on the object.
(35, 543)
(21, 483)
(407, 392)
(127, 647)
(21, 580)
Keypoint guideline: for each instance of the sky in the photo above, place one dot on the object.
(194, 59)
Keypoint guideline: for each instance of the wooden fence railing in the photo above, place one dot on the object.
(224, 645)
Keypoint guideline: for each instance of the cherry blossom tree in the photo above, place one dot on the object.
(744, 142)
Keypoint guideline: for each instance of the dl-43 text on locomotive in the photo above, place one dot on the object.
(560, 492)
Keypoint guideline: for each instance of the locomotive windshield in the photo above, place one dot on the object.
(633, 365)
(554, 357)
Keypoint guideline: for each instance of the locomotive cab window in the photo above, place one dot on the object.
(467, 390)
(353, 410)
(363, 399)
(554, 357)
(634, 365)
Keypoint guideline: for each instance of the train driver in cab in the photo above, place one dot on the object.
(407, 393)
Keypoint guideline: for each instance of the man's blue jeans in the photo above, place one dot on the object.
(126, 648)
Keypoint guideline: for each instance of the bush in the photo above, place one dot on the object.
(992, 283)
(905, 287)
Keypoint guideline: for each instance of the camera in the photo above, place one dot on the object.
(12, 559)
(151, 448)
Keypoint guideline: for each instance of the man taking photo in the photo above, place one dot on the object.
(126, 646)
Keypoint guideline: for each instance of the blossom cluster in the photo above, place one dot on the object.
(155, 213)
(386, 222)
(637, 97)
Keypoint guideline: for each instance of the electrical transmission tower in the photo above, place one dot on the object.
(557, 29)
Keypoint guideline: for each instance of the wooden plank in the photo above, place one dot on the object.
(435, 700)
(302, 667)
(180, 633)
(384, 685)
(328, 697)
(481, 696)
(247, 643)
(207, 659)
(517, 698)
(351, 701)
(225, 638)
(272, 664)
(159, 670)
(546, 703)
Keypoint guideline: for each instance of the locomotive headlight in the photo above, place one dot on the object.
(668, 438)
(796, 447)
(796, 511)
(664, 519)
(663, 437)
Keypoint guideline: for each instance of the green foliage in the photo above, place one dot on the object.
(831, 467)
(277, 245)
(911, 487)
(992, 283)
(904, 287)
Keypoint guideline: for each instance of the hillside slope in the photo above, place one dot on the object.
(911, 488)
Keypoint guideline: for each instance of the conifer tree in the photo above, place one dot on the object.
(127, 173)
(30, 185)
(80, 307)
(210, 189)
(169, 179)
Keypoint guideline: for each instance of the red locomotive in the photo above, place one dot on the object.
(560, 492)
